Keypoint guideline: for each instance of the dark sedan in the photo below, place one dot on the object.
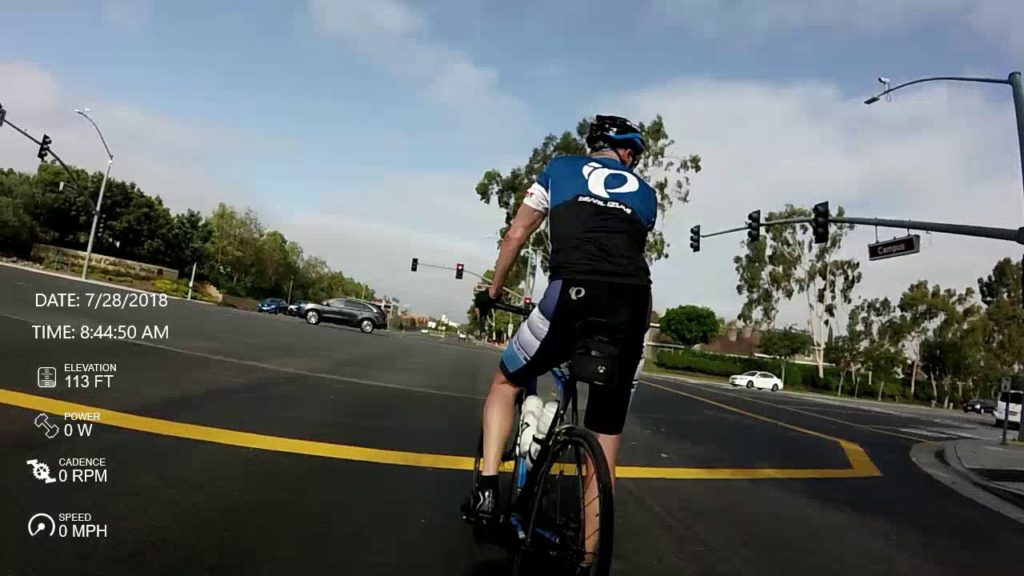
(295, 307)
(980, 406)
(272, 306)
(347, 311)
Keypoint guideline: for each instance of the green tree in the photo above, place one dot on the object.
(918, 313)
(785, 344)
(62, 216)
(234, 239)
(232, 248)
(844, 352)
(952, 353)
(874, 328)
(135, 226)
(190, 234)
(786, 262)
(669, 175)
(17, 231)
(690, 325)
(274, 265)
(1004, 335)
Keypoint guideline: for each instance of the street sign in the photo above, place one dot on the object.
(895, 247)
(1004, 386)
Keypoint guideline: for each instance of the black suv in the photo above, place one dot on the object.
(347, 311)
(980, 406)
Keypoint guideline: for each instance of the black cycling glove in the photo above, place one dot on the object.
(484, 302)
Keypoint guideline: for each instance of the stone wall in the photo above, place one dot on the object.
(66, 257)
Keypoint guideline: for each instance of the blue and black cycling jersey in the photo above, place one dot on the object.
(599, 216)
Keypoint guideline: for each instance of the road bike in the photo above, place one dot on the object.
(545, 508)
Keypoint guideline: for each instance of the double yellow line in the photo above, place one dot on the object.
(860, 465)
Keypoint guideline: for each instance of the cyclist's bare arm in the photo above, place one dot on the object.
(525, 223)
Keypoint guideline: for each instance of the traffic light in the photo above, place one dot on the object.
(44, 148)
(695, 238)
(754, 226)
(528, 303)
(415, 263)
(458, 271)
(819, 222)
(3, 114)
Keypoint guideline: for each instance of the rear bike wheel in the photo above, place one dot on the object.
(571, 519)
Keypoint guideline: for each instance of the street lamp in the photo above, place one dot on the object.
(84, 113)
(1013, 81)
(1016, 85)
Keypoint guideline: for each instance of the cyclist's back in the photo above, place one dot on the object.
(599, 215)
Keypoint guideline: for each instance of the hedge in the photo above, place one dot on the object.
(797, 375)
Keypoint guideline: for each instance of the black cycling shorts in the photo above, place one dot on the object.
(548, 338)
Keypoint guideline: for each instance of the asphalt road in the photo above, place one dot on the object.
(187, 493)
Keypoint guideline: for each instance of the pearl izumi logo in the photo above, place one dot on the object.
(598, 177)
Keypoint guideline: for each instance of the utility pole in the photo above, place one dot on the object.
(99, 201)
(192, 280)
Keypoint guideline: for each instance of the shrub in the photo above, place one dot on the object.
(178, 288)
(798, 376)
(17, 231)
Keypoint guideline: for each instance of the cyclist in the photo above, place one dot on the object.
(599, 215)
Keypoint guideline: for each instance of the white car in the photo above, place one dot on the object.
(763, 380)
(1015, 397)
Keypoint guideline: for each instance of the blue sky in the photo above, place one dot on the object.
(389, 111)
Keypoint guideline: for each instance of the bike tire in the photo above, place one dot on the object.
(536, 554)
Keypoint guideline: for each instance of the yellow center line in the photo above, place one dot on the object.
(797, 410)
(860, 465)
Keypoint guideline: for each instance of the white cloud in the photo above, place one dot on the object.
(164, 155)
(992, 19)
(940, 153)
(392, 34)
(433, 217)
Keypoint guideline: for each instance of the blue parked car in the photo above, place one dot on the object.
(272, 306)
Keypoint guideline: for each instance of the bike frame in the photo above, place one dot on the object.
(525, 480)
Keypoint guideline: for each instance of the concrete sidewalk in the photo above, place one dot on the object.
(996, 468)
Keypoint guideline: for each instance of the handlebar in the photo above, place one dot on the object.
(521, 310)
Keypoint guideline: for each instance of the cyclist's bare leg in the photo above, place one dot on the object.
(499, 411)
(610, 446)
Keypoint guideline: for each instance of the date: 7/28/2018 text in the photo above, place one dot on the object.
(100, 332)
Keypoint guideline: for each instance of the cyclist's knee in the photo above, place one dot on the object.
(501, 385)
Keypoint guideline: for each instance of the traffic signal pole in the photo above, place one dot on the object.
(1009, 234)
(471, 273)
(7, 122)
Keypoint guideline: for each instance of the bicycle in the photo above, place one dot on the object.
(536, 538)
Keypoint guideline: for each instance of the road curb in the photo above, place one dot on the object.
(931, 458)
(101, 283)
(953, 461)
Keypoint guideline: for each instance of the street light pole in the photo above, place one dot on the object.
(1016, 86)
(1013, 81)
(99, 201)
(1018, 107)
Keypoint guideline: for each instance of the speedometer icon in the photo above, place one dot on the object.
(41, 523)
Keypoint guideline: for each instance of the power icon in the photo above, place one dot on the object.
(41, 523)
